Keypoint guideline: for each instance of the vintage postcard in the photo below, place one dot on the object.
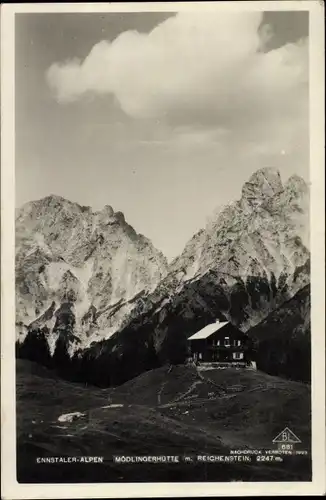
(162, 253)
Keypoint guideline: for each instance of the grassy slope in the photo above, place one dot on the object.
(165, 412)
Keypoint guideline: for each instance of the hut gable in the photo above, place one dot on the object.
(219, 341)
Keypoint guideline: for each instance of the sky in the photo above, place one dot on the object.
(163, 116)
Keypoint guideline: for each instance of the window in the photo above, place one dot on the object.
(227, 341)
(216, 342)
(238, 355)
(237, 343)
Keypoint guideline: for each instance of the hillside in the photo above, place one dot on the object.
(162, 412)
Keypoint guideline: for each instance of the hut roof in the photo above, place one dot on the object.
(208, 330)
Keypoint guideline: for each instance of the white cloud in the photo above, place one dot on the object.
(193, 68)
(203, 81)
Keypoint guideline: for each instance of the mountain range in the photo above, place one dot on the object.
(98, 302)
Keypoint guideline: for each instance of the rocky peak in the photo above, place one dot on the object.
(265, 183)
(263, 225)
(296, 185)
(54, 199)
(119, 217)
(104, 216)
(94, 258)
(107, 209)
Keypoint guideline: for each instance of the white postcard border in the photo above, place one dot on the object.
(13, 490)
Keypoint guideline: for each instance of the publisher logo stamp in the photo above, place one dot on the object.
(286, 439)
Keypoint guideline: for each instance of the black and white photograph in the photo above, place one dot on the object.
(163, 246)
